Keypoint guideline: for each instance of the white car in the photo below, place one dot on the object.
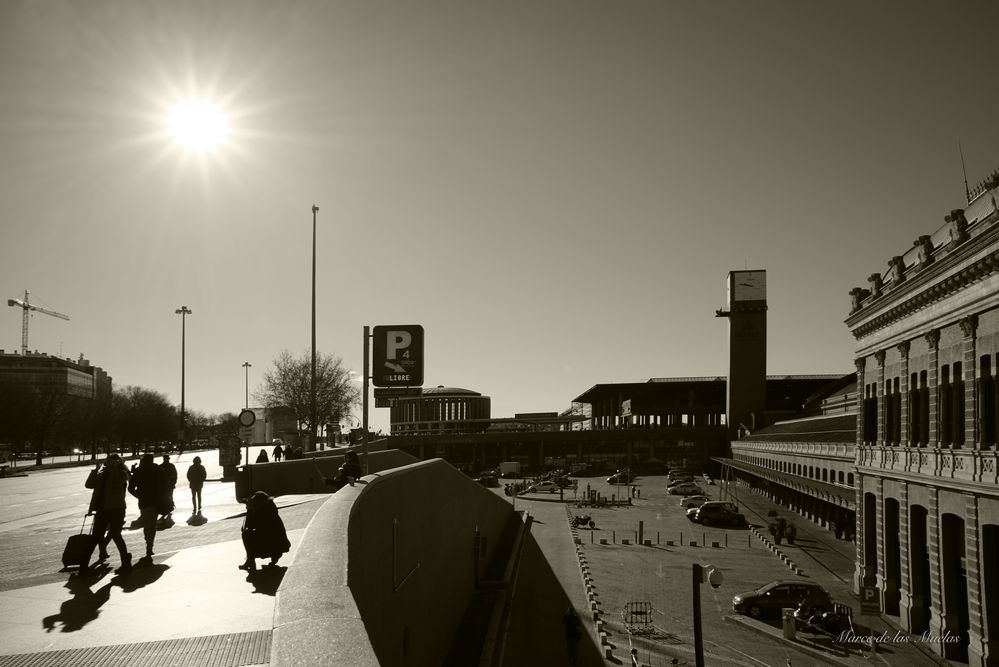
(685, 489)
(691, 502)
(546, 486)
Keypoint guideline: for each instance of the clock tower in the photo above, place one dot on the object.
(747, 350)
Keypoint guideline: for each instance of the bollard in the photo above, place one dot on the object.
(614, 536)
(726, 540)
(657, 537)
(641, 532)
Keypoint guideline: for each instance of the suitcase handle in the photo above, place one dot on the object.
(84, 525)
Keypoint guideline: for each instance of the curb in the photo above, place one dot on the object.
(592, 596)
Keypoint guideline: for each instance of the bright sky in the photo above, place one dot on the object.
(555, 190)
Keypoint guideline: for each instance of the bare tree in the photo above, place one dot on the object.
(288, 385)
(142, 416)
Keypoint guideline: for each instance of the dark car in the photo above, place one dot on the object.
(491, 481)
(716, 515)
(623, 477)
(769, 599)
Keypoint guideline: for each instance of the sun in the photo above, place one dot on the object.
(197, 125)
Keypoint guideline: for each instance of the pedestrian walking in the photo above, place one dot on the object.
(278, 452)
(148, 486)
(196, 476)
(573, 634)
(169, 484)
(263, 533)
(107, 503)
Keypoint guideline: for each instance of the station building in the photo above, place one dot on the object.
(927, 464)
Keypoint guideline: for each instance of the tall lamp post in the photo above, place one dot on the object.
(246, 365)
(183, 311)
(312, 377)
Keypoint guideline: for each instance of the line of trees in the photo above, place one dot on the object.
(46, 417)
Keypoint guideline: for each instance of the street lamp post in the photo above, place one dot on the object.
(246, 365)
(312, 376)
(183, 311)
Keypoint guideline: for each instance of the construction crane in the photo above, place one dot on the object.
(26, 306)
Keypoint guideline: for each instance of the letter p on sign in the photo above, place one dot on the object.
(397, 341)
(397, 356)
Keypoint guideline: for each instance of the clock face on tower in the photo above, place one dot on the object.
(749, 286)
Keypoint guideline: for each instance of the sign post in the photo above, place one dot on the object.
(246, 419)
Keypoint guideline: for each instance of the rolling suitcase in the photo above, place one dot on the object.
(78, 546)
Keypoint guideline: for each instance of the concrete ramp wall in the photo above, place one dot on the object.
(306, 475)
(386, 569)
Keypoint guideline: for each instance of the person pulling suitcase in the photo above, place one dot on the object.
(107, 504)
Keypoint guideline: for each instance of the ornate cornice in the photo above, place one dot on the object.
(903, 348)
(879, 356)
(969, 275)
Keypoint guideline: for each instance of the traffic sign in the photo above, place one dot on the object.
(247, 418)
(397, 356)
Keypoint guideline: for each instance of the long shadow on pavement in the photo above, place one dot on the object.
(535, 634)
(85, 605)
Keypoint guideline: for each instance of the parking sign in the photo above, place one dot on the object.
(397, 356)
(870, 600)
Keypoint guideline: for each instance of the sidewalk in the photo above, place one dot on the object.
(191, 606)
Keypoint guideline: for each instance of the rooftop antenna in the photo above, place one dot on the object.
(967, 192)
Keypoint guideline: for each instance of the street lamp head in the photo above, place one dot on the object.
(183, 310)
(315, 209)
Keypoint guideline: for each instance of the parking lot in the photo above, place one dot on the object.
(660, 574)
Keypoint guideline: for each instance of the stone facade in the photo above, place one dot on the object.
(927, 464)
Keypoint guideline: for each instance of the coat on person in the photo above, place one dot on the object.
(264, 535)
(196, 474)
(147, 483)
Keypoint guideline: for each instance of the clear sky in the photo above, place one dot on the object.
(555, 190)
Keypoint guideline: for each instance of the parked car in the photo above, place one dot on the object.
(727, 504)
(546, 486)
(769, 599)
(676, 478)
(685, 489)
(716, 515)
(489, 480)
(621, 476)
(691, 502)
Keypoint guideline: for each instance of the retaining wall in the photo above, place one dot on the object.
(394, 591)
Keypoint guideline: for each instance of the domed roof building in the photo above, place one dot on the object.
(440, 409)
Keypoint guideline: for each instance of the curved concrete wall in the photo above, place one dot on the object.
(306, 475)
(394, 591)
